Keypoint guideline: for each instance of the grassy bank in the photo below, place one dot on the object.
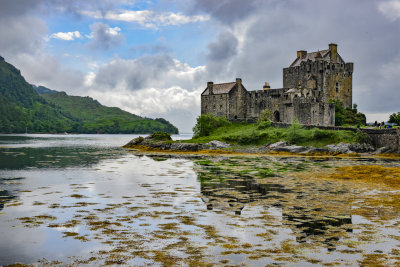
(252, 134)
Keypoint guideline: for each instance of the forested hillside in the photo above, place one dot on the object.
(95, 117)
(22, 110)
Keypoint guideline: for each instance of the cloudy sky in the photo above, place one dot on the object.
(153, 58)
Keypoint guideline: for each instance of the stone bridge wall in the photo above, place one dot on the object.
(389, 138)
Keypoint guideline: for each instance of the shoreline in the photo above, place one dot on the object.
(152, 151)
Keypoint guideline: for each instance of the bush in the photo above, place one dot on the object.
(293, 134)
(318, 134)
(264, 119)
(347, 116)
(207, 123)
(362, 138)
(160, 136)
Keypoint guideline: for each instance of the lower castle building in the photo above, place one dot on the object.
(310, 82)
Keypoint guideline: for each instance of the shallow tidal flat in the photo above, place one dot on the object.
(120, 208)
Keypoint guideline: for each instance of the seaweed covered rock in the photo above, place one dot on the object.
(135, 142)
(161, 141)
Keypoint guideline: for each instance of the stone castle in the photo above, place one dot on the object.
(309, 83)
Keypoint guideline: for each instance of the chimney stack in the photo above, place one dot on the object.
(210, 86)
(333, 49)
(301, 53)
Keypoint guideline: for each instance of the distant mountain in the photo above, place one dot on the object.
(22, 109)
(41, 90)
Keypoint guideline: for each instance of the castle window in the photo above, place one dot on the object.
(214, 106)
(337, 87)
(205, 107)
(220, 106)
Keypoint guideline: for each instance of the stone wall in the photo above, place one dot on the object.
(389, 138)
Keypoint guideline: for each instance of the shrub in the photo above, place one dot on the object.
(160, 136)
(347, 116)
(362, 138)
(207, 123)
(318, 134)
(264, 121)
(293, 134)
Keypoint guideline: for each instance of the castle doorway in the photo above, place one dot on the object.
(277, 116)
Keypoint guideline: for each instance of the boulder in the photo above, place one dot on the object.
(184, 146)
(277, 145)
(291, 149)
(217, 144)
(361, 148)
(136, 141)
(381, 150)
(343, 148)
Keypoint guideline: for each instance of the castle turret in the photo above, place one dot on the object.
(333, 49)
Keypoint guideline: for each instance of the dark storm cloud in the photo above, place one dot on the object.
(223, 48)
(17, 37)
(225, 11)
(22, 7)
(136, 74)
(105, 37)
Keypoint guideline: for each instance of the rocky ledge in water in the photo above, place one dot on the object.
(149, 143)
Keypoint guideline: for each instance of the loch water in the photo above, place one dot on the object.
(84, 200)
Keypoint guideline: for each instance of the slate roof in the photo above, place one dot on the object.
(310, 56)
(220, 88)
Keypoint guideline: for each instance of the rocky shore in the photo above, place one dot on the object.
(149, 144)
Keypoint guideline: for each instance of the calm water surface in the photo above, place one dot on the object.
(82, 199)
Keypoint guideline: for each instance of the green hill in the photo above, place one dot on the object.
(95, 117)
(23, 109)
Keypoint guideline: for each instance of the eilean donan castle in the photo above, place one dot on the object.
(309, 83)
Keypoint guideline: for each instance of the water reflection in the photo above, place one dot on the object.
(59, 157)
(231, 189)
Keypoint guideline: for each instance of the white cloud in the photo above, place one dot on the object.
(146, 18)
(390, 9)
(151, 86)
(66, 36)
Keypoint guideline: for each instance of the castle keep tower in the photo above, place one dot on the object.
(309, 83)
(323, 70)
